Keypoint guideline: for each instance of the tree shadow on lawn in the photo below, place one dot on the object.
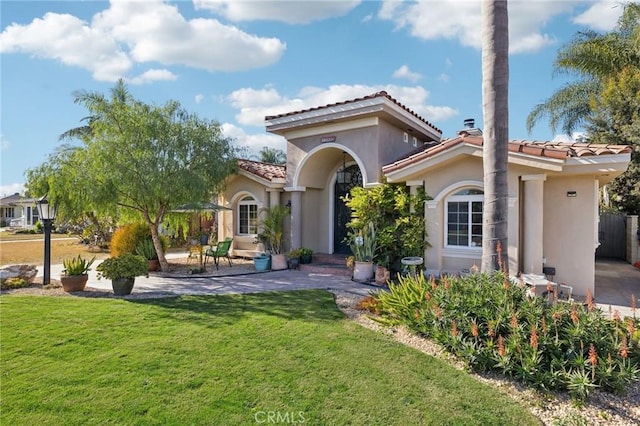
(306, 305)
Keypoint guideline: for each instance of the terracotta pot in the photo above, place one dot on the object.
(363, 271)
(278, 262)
(153, 265)
(122, 286)
(382, 275)
(74, 282)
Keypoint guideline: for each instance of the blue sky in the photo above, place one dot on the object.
(237, 61)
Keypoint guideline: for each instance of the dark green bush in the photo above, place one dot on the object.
(493, 325)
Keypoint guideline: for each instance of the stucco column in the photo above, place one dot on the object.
(296, 219)
(633, 239)
(274, 196)
(533, 223)
(413, 190)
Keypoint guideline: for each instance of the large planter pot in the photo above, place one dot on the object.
(74, 282)
(278, 262)
(305, 259)
(294, 262)
(262, 263)
(363, 271)
(153, 265)
(382, 275)
(122, 286)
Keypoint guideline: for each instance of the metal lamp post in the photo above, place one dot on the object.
(47, 212)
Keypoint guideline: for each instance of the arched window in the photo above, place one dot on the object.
(464, 218)
(247, 216)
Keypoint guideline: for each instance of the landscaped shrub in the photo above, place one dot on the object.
(14, 282)
(127, 238)
(493, 325)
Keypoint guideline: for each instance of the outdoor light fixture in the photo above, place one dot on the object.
(343, 175)
(47, 212)
(288, 205)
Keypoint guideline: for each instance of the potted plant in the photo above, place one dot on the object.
(75, 273)
(294, 258)
(262, 262)
(305, 255)
(363, 246)
(122, 271)
(272, 225)
(146, 249)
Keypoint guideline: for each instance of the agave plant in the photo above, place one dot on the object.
(77, 265)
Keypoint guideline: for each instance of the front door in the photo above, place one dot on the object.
(342, 213)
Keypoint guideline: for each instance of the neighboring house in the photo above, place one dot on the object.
(17, 211)
(553, 188)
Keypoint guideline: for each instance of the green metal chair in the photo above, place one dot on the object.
(220, 250)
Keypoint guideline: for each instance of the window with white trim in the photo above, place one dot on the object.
(464, 218)
(247, 216)
(9, 212)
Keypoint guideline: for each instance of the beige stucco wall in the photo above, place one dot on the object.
(570, 231)
(237, 188)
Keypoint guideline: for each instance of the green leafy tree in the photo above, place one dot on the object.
(135, 160)
(272, 155)
(495, 108)
(593, 58)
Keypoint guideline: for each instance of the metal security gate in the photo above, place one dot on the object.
(612, 236)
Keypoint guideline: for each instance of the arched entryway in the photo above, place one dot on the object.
(346, 179)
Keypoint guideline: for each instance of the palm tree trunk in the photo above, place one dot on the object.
(495, 85)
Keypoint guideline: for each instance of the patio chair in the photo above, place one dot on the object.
(220, 250)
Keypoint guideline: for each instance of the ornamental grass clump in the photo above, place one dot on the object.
(498, 327)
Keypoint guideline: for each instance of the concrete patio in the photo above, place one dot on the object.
(616, 282)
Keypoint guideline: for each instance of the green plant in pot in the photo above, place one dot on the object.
(363, 246)
(146, 249)
(294, 259)
(272, 225)
(305, 255)
(75, 273)
(122, 271)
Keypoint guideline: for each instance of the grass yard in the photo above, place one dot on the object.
(33, 251)
(228, 360)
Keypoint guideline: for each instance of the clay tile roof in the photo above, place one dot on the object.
(266, 171)
(381, 94)
(555, 150)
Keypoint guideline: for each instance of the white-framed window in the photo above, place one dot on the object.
(464, 218)
(247, 216)
(415, 141)
(9, 212)
(405, 138)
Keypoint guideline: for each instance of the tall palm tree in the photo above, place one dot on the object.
(594, 58)
(272, 155)
(495, 106)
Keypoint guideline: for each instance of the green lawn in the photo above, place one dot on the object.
(223, 360)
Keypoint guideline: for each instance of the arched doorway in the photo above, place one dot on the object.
(347, 178)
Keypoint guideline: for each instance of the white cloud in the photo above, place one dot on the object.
(12, 188)
(291, 12)
(130, 32)
(199, 98)
(405, 72)
(601, 16)
(575, 137)
(444, 77)
(71, 41)
(255, 104)
(253, 143)
(461, 20)
(153, 75)
(4, 143)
